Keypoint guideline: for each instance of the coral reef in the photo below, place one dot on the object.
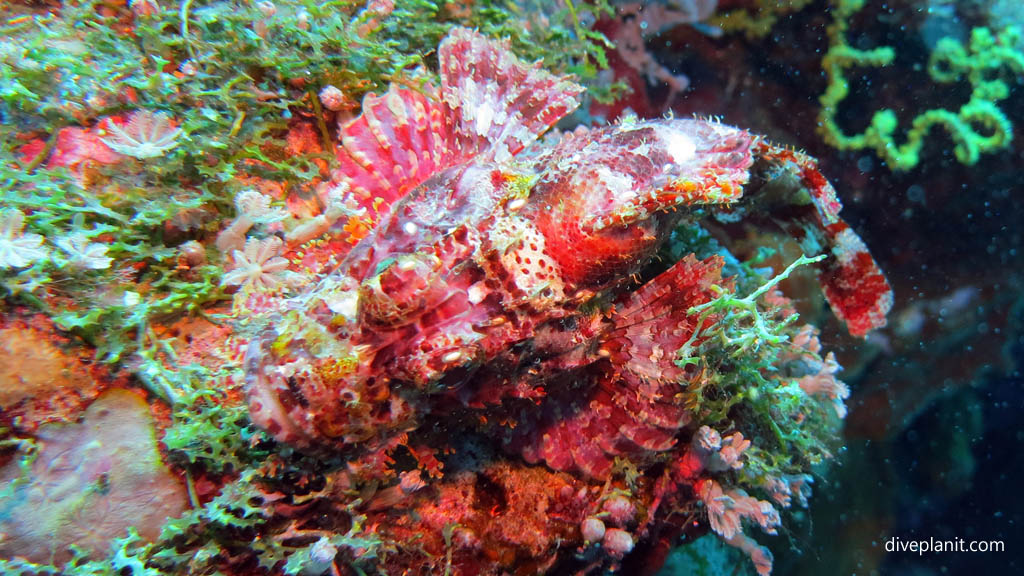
(420, 340)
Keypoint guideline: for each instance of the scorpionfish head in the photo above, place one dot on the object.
(607, 197)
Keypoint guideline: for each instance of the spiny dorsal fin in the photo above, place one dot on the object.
(393, 146)
(491, 105)
(497, 103)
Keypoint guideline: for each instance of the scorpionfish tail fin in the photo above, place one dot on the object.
(853, 283)
(497, 104)
(394, 145)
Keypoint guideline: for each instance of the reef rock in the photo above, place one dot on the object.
(87, 483)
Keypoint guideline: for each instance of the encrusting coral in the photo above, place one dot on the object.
(87, 483)
(43, 378)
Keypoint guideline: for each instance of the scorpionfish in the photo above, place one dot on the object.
(498, 279)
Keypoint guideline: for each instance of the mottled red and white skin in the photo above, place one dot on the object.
(496, 282)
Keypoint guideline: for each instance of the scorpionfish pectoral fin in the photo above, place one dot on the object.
(490, 106)
(634, 402)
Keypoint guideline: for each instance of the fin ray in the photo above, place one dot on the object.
(497, 103)
(491, 105)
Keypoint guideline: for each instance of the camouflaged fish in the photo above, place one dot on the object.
(495, 278)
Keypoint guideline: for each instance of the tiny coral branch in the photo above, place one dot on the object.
(735, 310)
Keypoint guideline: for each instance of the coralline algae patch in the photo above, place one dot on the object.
(40, 380)
(520, 517)
(200, 341)
(88, 483)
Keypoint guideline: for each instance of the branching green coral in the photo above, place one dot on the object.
(742, 327)
(978, 127)
(739, 345)
(196, 539)
(126, 553)
(211, 432)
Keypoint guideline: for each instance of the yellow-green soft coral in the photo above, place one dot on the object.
(756, 20)
(979, 126)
